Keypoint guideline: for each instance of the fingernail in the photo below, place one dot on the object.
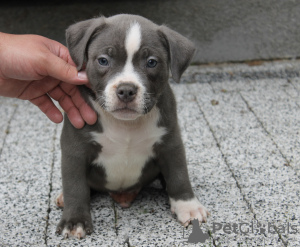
(82, 75)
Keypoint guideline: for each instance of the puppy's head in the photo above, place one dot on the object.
(127, 59)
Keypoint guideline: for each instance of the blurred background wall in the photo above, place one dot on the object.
(223, 30)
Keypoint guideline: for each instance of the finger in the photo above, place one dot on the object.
(87, 113)
(60, 50)
(63, 71)
(47, 106)
(68, 106)
(35, 89)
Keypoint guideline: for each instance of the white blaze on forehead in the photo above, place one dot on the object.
(133, 39)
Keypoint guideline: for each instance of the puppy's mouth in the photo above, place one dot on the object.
(125, 113)
(124, 110)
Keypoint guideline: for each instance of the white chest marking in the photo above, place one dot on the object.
(126, 147)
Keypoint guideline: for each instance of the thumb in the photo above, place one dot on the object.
(63, 71)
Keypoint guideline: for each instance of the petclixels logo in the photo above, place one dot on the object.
(255, 227)
(244, 228)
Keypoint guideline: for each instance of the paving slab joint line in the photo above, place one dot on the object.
(127, 243)
(116, 217)
(8, 128)
(211, 236)
(285, 243)
(212, 88)
(268, 133)
(231, 171)
(50, 186)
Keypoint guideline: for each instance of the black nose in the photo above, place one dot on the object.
(126, 92)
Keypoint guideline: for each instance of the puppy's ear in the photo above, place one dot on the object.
(181, 51)
(78, 36)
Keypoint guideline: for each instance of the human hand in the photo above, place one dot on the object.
(37, 69)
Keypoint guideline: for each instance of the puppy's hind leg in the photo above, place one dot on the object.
(59, 200)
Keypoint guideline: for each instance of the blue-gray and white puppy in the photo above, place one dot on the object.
(136, 138)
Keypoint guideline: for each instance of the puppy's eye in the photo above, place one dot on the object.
(151, 63)
(103, 61)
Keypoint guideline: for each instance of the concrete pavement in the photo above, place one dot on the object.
(240, 126)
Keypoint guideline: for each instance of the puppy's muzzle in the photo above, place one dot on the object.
(126, 92)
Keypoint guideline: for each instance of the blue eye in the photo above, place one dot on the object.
(151, 63)
(103, 61)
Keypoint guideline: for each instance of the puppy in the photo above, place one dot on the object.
(136, 138)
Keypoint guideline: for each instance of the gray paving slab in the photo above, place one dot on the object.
(270, 188)
(240, 129)
(280, 118)
(279, 115)
(25, 169)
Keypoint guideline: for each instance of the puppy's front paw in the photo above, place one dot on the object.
(188, 210)
(76, 228)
